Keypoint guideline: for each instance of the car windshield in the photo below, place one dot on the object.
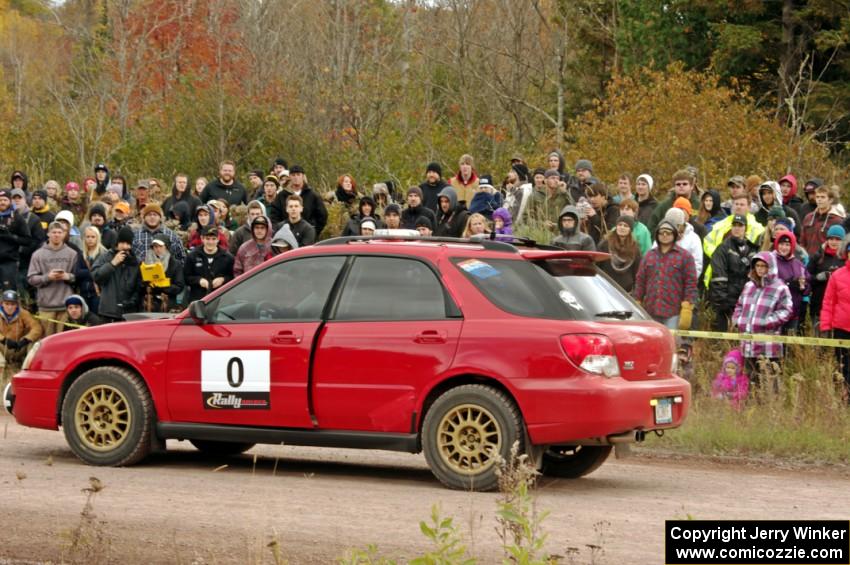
(561, 289)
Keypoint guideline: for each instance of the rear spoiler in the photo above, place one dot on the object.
(541, 254)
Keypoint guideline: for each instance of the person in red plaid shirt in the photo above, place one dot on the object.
(763, 307)
(666, 283)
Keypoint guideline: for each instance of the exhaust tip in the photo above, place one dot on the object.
(8, 398)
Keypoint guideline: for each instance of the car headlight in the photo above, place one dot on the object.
(31, 355)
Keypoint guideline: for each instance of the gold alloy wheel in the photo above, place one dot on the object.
(469, 439)
(102, 418)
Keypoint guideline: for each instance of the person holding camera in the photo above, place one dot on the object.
(117, 274)
(51, 272)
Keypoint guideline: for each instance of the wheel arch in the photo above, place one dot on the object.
(89, 364)
(455, 381)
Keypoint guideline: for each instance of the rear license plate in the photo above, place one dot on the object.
(664, 411)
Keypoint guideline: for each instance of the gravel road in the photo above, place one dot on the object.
(316, 504)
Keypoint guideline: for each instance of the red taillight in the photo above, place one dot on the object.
(592, 352)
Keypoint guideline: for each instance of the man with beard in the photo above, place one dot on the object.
(225, 187)
(432, 186)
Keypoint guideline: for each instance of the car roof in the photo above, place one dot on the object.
(432, 247)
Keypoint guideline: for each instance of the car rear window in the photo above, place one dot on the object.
(561, 289)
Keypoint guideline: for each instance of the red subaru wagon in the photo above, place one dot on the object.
(456, 348)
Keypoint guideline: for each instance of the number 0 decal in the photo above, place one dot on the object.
(236, 379)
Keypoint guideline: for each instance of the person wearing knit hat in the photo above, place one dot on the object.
(432, 186)
(415, 209)
(686, 238)
(117, 274)
(584, 167)
(776, 212)
(367, 226)
(41, 208)
(685, 205)
(821, 267)
(424, 226)
(78, 314)
(271, 187)
(624, 262)
(643, 194)
(666, 283)
(153, 228)
(392, 216)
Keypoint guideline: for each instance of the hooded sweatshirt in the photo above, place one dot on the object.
(764, 209)
(452, 222)
(573, 239)
(835, 312)
(507, 221)
(285, 234)
(253, 252)
(792, 200)
(88, 318)
(789, 270)
(734, 388)
(716, 213)
(764, 307)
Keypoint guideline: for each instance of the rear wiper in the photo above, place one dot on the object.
(619, 314)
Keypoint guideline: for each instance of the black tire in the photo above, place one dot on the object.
(107, 416)
(573, 461)
(467, 460)
(222, 448)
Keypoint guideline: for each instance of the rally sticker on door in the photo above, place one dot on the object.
(236, 379)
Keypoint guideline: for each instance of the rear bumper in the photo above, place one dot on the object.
(588, 409)
(36, 397)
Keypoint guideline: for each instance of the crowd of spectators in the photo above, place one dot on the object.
(763, 256)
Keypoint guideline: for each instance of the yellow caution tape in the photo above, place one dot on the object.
(37, 317)
(767, 338)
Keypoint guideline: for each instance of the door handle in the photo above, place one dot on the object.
(287, 337)
(430, 336)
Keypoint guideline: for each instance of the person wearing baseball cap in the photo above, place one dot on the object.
(13, 234)
(729, 272)
(486, 198)
(153, 228)
(18, 329)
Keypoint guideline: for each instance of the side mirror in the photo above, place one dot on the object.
(198, 311)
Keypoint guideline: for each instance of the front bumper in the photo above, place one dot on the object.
(8, 398)
(595, 410)
(36, 397)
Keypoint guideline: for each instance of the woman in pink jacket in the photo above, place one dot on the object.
(835, 312)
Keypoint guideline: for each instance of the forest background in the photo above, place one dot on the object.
(379, 88)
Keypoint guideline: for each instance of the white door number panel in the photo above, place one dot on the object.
(236, 379)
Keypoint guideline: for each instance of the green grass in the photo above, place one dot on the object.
(806, 420)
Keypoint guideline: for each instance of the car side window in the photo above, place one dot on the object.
(294, 290)
(391, 289)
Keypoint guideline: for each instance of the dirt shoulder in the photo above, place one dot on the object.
(317, 503)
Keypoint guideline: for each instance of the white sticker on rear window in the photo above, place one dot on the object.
(570, 300)
(236, 379)
(478, 269)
